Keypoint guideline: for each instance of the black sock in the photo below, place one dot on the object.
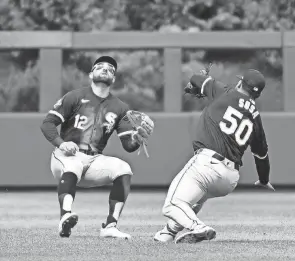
(121, 188)
(119, 193)
(67, 185)
(111, 219)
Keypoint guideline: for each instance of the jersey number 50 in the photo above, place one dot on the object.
(245, 127)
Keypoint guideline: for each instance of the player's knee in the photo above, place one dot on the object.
(170, 205)
(125, 168)
(166, 209)
(122, 168)
(74, 166)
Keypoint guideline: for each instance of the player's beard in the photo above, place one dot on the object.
(103, 79)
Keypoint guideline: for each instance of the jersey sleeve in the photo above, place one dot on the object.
(124, 126)
(208, 86)
(259, 147)
(63, 108)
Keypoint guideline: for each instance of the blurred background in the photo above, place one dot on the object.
(163, 43)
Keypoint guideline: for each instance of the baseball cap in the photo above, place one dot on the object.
(106, 59)
(254, 80)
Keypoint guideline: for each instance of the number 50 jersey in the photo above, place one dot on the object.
(229, 124)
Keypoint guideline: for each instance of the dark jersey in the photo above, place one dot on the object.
(89, 120)
(230, 123)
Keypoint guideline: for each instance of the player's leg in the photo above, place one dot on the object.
(117, 198)
(68, 171)
(185, 190)
(219, 181)
(172, 228)
(105, 170)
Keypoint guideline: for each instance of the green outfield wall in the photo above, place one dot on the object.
(25, 154)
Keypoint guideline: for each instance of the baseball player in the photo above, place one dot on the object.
(88, 117)
(226, 127)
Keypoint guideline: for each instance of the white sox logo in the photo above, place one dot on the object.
(110, 118)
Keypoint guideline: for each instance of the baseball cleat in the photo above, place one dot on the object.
(200, 233)
(112, 231)
(66, 223)
(164, 235)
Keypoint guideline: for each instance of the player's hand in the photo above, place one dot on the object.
(144, 131)
(140, 135)
(147, 126)
(69, 148)
(206, 70)
(143, 127)
(267, 186)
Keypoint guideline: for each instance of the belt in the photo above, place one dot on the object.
(222, 158)
(88, 152)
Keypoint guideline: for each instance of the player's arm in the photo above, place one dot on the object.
(60, 112)
(259, 149)
(201, 85)
(126, 133)
(49, 129)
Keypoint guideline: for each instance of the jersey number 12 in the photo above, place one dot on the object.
(237, 128)
(80, 121)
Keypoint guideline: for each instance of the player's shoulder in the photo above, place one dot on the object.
(71, 96)
(221, 85)
(78, 93)
(217, 88)
(231, 94)
(121, 105)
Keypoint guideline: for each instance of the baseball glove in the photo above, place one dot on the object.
(143, 128)
(207, 69)
(189, 88)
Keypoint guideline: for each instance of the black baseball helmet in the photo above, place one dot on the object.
(106, 59)
(253, 81)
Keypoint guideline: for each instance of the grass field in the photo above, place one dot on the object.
(250, 226)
